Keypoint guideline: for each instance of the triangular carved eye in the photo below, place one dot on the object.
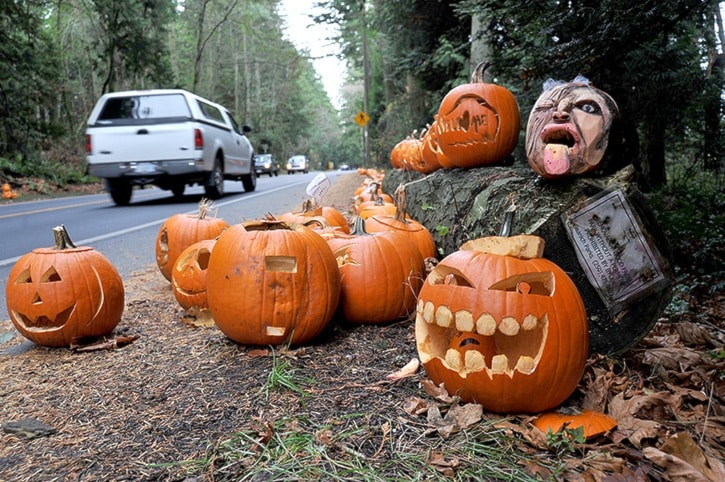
(50, 276)
(527, 284)
(24, 277)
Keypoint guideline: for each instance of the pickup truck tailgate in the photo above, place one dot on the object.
(158, 142)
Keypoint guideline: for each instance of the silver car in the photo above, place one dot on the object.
(298, 163)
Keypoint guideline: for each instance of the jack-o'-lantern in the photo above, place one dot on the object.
(478, 123)
(181, 231)
(501, 326)
(272, 282)
(310, 209)
(568, 129)
(60, 295)
(188, 278)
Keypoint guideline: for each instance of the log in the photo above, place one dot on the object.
(601, 231)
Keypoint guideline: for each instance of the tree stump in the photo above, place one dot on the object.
(584, 222)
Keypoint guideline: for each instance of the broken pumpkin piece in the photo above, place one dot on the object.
(594, 423)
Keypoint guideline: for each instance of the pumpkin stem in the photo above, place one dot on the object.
(62, 238)
(358, 227)
(400, 204)
(205, 207)
(477, 74)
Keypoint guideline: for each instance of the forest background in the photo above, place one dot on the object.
(661, 60)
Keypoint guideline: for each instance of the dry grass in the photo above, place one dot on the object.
(186, 403)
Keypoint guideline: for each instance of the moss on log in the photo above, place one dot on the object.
(457, 205)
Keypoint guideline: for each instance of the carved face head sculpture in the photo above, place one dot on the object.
(568, 129)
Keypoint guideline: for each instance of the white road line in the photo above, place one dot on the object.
(87, 241)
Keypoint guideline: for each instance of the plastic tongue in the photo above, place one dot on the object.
(556, 159)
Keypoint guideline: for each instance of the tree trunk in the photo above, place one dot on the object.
(457, 205)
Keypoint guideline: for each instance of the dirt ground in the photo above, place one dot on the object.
(163, 406)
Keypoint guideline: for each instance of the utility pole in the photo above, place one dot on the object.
(366, 87)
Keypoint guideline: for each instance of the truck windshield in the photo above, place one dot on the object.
(142, 107)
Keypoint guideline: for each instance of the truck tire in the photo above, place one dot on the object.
(120, 191)
(249, 181)
(178, 189)
(214, 187)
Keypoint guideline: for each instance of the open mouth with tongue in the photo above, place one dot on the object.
(561, 147)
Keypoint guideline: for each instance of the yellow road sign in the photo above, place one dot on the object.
(362, 118)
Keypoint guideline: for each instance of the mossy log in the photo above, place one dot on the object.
(458, 205)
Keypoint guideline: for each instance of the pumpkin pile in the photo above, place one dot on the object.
(477, 124)
(8, 192)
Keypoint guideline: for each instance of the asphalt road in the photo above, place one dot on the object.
(127, 235)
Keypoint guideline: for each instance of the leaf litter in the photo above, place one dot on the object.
(168, 397)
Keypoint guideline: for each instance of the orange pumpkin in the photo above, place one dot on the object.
(181, 231)
(270, 282)
(594, 423)
(429, 158)
(188, 278)
(525, 315)
(57, 296)
(371, 208)
(381, 274)
(309, 210)
(478, 123)
(402, 223)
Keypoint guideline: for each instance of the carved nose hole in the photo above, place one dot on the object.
(284, 264)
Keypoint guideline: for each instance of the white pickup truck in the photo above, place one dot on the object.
(169, 138)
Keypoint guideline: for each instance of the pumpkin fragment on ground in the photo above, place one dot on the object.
(506, 332)
(594, 423)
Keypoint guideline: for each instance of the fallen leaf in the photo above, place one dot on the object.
(437, 391)
(415, 406)
(113, 343)
(258, 352)
(439, 462)
(198, 318)
(410, 369)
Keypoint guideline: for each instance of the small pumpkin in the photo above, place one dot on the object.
(381, 274)
(60, 295)
(188, 278)
(8, 192)
(477, 123)
(371, 208)
(272, 282)
(181, 231)
(594, 423)
(525, 319)
(429, 160)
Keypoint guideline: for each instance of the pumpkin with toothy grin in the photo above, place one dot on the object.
(499, 325)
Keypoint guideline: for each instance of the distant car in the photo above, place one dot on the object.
(345, 167)
(298, 164)
(266, 164)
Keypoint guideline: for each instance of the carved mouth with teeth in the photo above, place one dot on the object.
(484, 343)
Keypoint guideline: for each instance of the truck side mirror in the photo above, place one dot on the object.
(246, 129)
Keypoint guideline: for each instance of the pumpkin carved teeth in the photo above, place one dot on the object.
(502, 347)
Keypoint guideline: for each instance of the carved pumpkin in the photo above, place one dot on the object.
(57, 296)
(381, 274)
(501, 326)
(477, 123)
(406, 153)
(428, 160)
(568, 129)
(181, 231)
(270, 282)
(594, 423)
(309, 210)
(188, 278)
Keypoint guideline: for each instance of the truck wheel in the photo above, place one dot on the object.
(249, 181)
(214, 187)
(120, 191)
(178, 189)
